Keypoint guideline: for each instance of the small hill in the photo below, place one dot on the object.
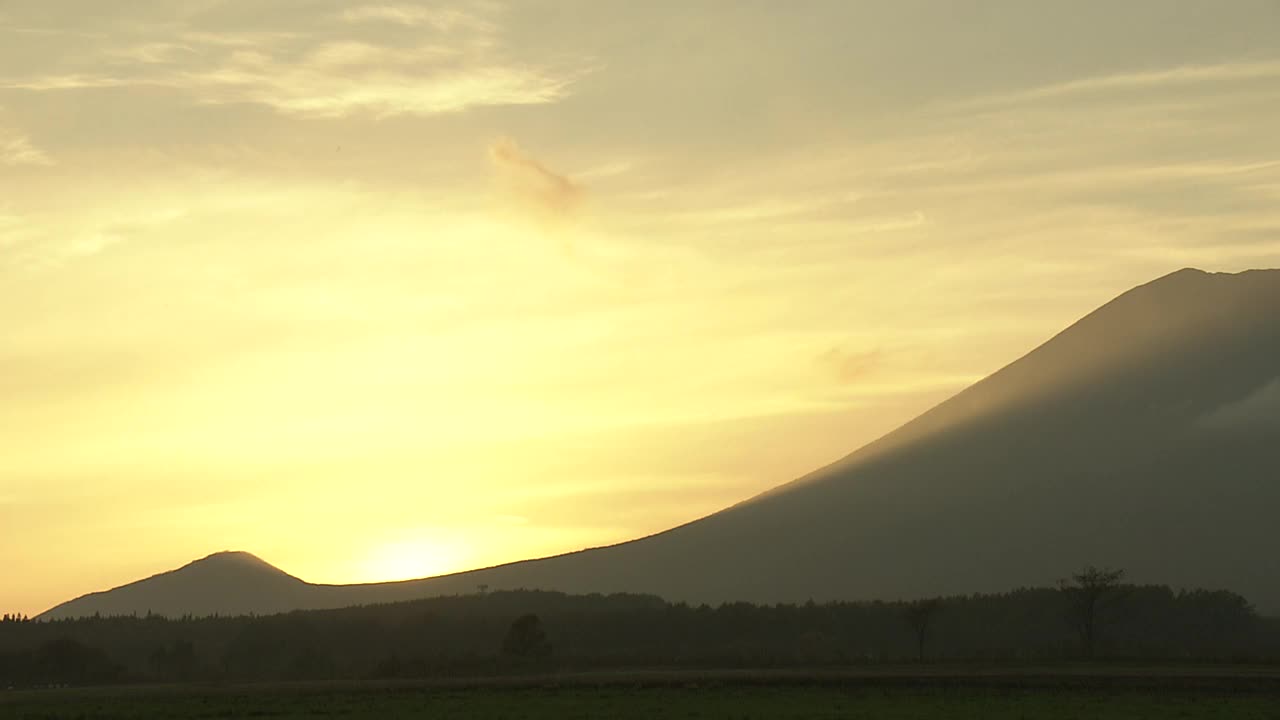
(224, 583)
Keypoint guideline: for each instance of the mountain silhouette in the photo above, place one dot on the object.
(224, 583)
(1144, 437)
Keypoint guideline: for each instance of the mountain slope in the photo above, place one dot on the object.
(1143, 437)
(225, 583)
(1101, 446)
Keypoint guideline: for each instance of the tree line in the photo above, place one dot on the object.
(1091, 615)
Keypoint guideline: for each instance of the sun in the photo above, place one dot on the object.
(410, 559)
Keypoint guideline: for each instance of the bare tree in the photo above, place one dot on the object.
(1089, 593)
(919, 614)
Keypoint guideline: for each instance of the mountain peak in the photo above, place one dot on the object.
(233, 558)
(226, 583)
(1190, 274)
(233, 566)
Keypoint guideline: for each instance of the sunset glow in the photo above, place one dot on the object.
(384, 291)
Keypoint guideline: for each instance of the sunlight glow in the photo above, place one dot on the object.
(411, 559)
(350, 286)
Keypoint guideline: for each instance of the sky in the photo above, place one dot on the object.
(387, 290)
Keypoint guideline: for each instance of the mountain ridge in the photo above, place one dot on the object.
(1094, 447)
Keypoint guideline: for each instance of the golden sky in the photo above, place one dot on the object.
(379, 291)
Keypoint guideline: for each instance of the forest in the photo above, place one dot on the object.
(1094, 617)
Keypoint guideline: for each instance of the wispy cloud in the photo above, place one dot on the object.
(768, 209)
(17, 149)
(457, 63)
(118, 231)
(339, 80)
(416, 16)
(9, 226)
(71, 81)
(1154, 79)
(550, 196)
(153, 52)
(50, 31)
(53, 247)
(847, 366)
(239, 38)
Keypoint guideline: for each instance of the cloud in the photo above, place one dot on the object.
(70, 81)
(239, 39)
(1259, 410)
(416, 16)
(53, 249)
(119, 231)
(340, 80)
(1174, 77)
(17, 149)
(754, 210)
(382, 81)
(850, 366)
(549, 196)
(10, 225)
(453, 63)
(153, 52)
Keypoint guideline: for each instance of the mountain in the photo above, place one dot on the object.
(1143, 437)
(225, 583)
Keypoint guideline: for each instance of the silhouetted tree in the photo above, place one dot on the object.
(176, 662)
(310, 663)
(68, 661)
(918, 614)
(526, 638)
(389, 667)
(1089, 593)
(462, 634)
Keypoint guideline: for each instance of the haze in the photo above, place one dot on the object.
(390, 290)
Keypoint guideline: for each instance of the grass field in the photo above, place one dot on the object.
(879, 698)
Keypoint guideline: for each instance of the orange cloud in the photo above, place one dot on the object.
(547, 195)
(846, 366)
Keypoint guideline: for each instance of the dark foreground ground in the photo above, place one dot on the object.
(887, 693)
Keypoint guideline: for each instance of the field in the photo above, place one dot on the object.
(888, 695)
